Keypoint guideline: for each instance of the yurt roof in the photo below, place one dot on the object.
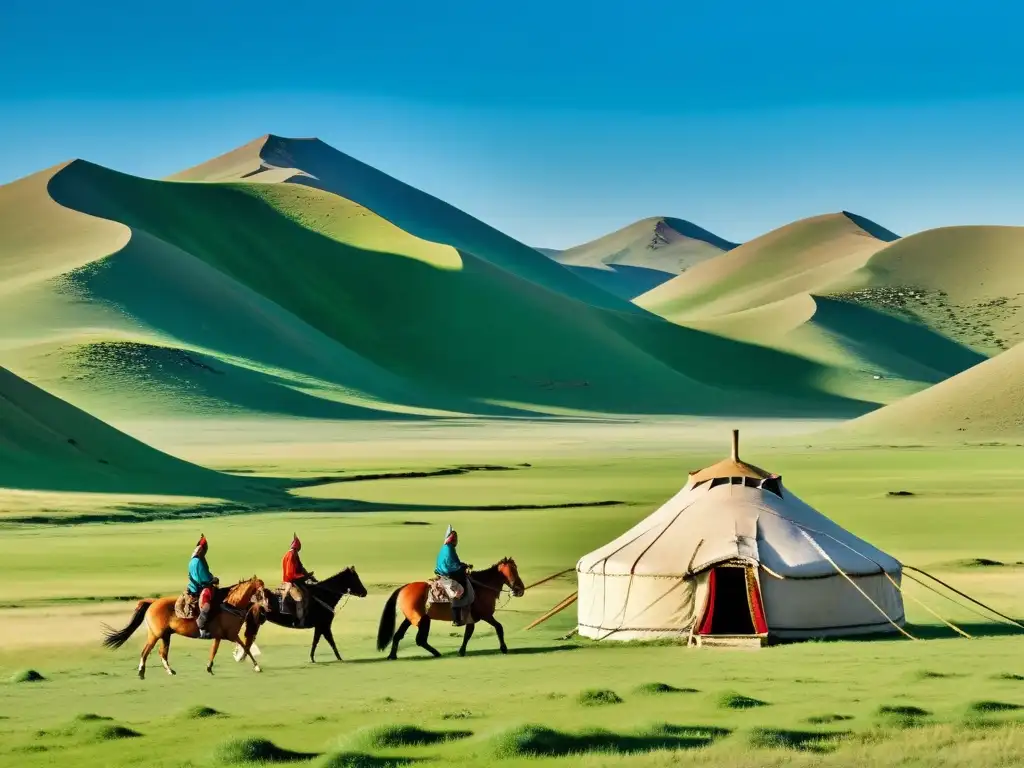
(731, 467)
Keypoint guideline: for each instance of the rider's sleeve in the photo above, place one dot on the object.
(201, 572)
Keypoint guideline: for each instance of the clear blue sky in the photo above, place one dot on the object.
(554, 121)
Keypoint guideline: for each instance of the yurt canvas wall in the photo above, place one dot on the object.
(735, 552)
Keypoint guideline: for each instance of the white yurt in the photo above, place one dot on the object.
(735, 554)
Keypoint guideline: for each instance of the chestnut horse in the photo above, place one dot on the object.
(234, 606)
(412, 601)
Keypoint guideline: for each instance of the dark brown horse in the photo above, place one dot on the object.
(235, 605)
(323, 596)
(412, 601)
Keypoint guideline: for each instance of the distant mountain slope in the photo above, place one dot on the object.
(986, 401)
(799, 258)
(313, 163)
(966, 282)
(641, 256)
(287, 299)
(47, 444)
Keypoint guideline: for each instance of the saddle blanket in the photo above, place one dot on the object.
(186, 606)
(441, 590)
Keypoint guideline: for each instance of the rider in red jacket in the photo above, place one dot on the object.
(295, 578)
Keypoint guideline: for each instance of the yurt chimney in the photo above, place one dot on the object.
(736, 445)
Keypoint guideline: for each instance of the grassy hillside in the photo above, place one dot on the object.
(352, 310)
(984, 402)
(798, 258)
(842, 291)
(965, 282)
(312, 162)
(48, 444)
(641, 256)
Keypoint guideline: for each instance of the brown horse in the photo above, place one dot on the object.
(242, 603)
(412, 601)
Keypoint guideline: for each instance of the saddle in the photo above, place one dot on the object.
(442, 591)
(186, 606)
(285, 602)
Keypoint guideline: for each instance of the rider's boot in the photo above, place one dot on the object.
(456, 617)
(204, 616)
(300, 613)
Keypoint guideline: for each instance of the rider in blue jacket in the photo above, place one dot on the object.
(450, 566)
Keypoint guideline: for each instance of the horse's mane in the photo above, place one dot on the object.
(223, 593)
(494, 568)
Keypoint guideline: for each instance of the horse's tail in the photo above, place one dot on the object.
(386, 630)
(116, 638)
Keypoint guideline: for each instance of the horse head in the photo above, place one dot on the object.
(508, 570)
(353, 584)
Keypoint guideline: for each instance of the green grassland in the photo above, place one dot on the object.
(939, 700)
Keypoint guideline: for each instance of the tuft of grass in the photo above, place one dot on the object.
(927, 674)
(902, 715)
(90, 717)
(732, 700)
(803, 741)
(825, 719)
(653, 689)
(462, 714)
(391, 736)
(255, 750)
(598, 697)
(200, 712)
(114, 733)
(527, 741)
(1009, 676)
(27, 676)
(360, 760)
(990, 707)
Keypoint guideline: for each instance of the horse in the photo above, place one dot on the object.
(241, 603)
(412, 600)
(323, 597)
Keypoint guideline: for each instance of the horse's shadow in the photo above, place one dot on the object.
(526, 651)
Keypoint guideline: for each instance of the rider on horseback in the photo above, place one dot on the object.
(449, 566)
(296, 580)
(201, 583)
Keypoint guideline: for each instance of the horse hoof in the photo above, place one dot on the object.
(504, 650)
(209, 670)
(142, 674)
(257, 668)
(462, 652)
(392, 658)
(171, 672)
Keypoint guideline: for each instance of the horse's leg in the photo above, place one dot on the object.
(316, 639)
(245, 648)
(500, 630)
(329, 635)
(398, 638)
(147, 649)
(422, 633)
(465, 638)
(165, 649)
(213, 654)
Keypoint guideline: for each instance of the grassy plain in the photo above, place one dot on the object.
(823, 703)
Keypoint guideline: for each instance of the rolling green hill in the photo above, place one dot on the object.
(844, 292)
(278, 298)
(47, 444)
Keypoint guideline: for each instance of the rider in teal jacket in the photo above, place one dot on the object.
(450, 566)
(201, 582)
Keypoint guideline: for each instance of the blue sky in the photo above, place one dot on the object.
(554, 121)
